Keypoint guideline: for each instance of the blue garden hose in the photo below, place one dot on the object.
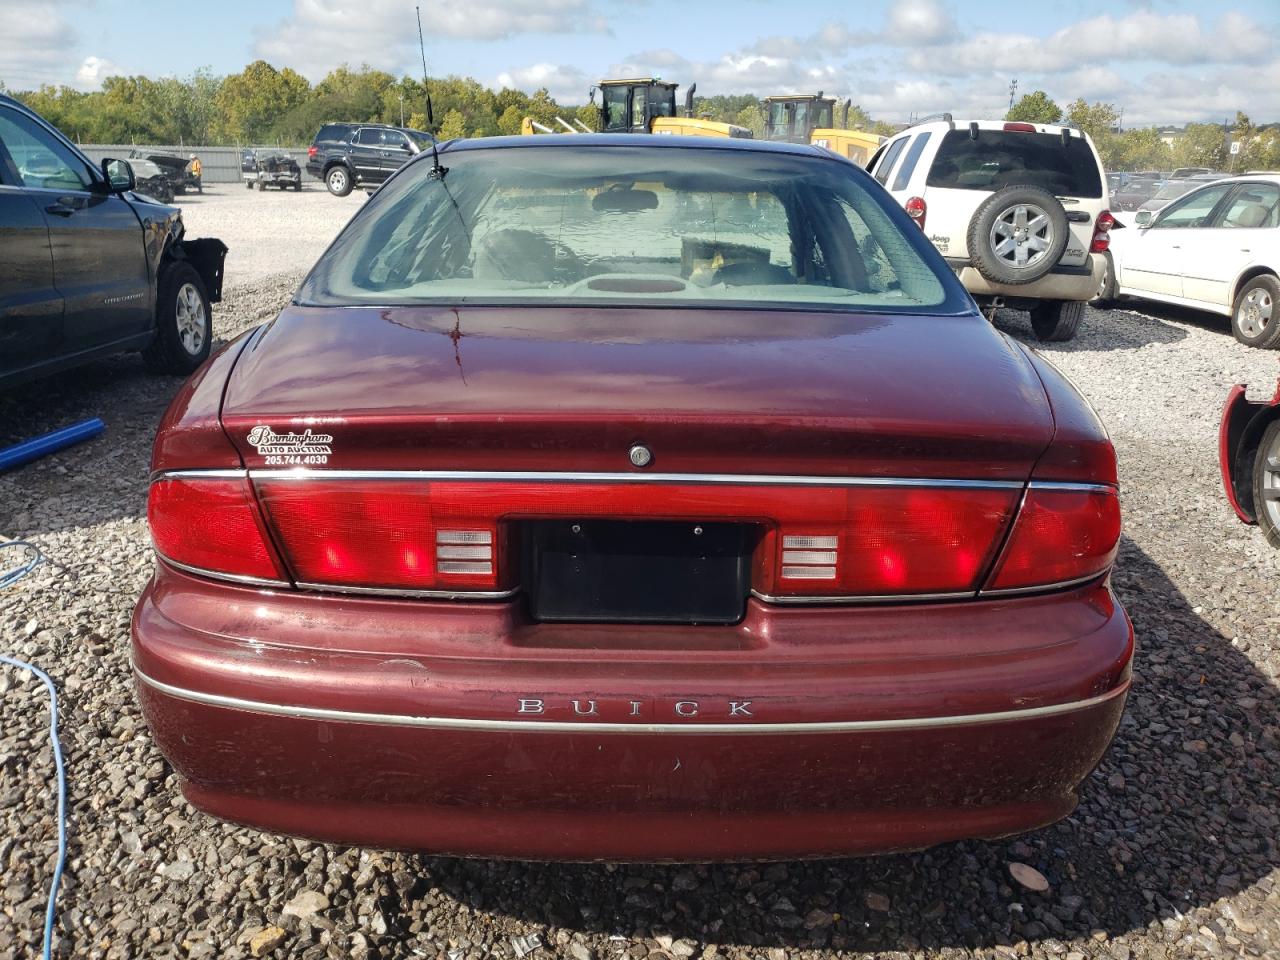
(38, 447)
(8, 577)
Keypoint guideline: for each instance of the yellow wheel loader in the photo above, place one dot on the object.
(810, 119)
(643, 105)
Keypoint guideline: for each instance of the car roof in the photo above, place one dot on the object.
(959, 123)
(649, 141)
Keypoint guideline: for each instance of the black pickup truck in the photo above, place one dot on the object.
(89, 267)
(349, 155)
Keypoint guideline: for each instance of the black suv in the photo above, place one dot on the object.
(88, 267)
(347, 155)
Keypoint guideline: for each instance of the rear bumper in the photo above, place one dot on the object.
(454, 728)
(1062, 283)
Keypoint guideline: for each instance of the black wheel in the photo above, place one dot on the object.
(338, 180)
(1266, 483)
(1107, 287)
(249, 184)
(1055, 321)
(184, 322)
(1017, 235)
(1255, 316)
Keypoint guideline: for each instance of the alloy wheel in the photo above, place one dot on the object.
(1022, 235)
(1254, 313)
(189, 314)
(1271, 481)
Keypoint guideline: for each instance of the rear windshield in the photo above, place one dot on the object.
(999, 159)
(634, 225)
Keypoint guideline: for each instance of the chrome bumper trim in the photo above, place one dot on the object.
(559, 726)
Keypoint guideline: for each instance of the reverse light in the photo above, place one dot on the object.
(1102, 232)
(916, 210)
(1061, 536)
(892, 541)
(384, 534)
(211, 525)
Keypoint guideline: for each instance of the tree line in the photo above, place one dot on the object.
(1145, 148)
(265, 105)
(262, 104)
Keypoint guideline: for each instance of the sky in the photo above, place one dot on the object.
(1160, 61)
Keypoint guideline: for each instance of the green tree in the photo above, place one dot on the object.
(752, 117)
(509, 122)
(1096, 119)
(1035, 107)
(588, 115)
(858, 118)
(1201, 145)
(1139, 149)
(454, 126)
(251, 102)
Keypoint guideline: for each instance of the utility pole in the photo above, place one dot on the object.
(1013, 91)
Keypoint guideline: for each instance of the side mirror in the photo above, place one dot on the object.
(118, 174)
(1144, 218)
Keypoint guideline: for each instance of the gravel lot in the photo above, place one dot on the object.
(1172, 853)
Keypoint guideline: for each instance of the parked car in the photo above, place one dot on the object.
(151, 180)
(1133, 193)
(586, 503)
(349, 155)
(264, 167)
(183, 172)
(1216, 248)
(1183, 173)
(1171, 189)
(92, 267)
(1019, 211)
(1249, 458)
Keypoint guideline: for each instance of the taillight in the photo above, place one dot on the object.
(1020, 127)
(891, 541)
(1060, 536)
(389, 533)
(211, 524)
(916, 210)
(312, 151)
(1102, 232)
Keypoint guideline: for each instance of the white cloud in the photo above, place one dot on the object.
(36, 44)
(565, 84)
(918, 22)
(321, 34)
(94, 70)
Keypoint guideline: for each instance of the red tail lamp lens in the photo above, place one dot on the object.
(380, 534)
(896, 542)
(1102, 232)
(211, 524)
(1020, 127)
(916, 210)
(1060, 536)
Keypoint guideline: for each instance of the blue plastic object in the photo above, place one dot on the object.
(37, 447)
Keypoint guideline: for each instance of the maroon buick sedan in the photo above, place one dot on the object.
(632, 498)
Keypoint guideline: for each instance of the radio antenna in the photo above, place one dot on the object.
(436, 169)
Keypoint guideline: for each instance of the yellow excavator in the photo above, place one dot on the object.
(809, 118)
(643, 105)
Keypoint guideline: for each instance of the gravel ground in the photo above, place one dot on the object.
(1172, 853)
(269, 231)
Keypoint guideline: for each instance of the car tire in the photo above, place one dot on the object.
(1255, 315)
(1267, 478)
(249, 184)
(1056, 321)
(184, 322)
(1004, 217)
(338, 180)
(1107, 288)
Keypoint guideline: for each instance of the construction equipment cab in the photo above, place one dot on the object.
(648, 105)
(810, 118)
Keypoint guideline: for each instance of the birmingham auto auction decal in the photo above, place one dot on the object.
(290, 448)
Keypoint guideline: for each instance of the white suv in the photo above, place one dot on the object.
(1018, 210)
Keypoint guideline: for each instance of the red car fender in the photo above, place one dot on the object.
(1238, 434)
